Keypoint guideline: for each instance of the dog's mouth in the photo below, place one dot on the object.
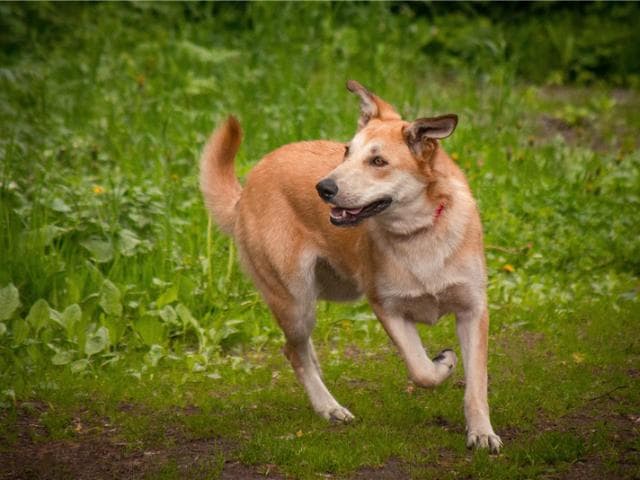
(347, 217)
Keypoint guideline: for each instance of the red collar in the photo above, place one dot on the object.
(436, 214)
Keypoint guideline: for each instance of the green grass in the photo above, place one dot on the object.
(127, 327)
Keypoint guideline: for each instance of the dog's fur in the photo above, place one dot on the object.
(416, 252)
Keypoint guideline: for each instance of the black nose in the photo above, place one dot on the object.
(327, 189)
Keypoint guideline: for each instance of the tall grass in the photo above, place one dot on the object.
(106, 250)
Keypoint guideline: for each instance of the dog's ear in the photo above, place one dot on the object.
(422, 135)
(371, 106)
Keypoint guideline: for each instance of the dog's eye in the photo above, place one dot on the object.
(378, 161)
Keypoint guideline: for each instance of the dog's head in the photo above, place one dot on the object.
(386, 165)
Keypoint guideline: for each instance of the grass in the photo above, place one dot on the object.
(132, 345)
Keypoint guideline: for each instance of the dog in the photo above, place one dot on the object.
(388, 215)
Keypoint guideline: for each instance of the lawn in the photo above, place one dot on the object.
(132, 345)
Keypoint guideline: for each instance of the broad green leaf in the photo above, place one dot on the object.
(3, 329)
(128, 241)
(45, 234)
(110, 358)
(62, 357)
(59, 205)
(20, 329)
(9, 301)
(169, 296)
(188, 321)
(140, 220)
(74, 288)
(196, 362)
(101, 250)
(151, 330)
(39, 314)
(185, 315)
(154, 355)
(97, 341)
(34, 350)
(79, 365)
(70, 317)
(56, 316)
(168, 314)
(110, 299)
(116, 327)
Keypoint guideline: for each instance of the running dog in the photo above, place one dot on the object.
(388, 215)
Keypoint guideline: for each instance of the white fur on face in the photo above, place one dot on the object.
(359, 184)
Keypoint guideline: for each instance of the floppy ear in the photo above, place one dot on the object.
(371, 106)
(422, 134)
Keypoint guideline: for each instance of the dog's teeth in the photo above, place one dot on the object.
(338, 213)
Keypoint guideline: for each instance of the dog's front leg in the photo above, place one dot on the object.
(422, 370)
(473, 329)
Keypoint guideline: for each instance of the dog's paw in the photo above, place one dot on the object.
(340, 415)
(446, 357)
(484, 440)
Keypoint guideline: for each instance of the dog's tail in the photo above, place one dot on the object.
(218, 181)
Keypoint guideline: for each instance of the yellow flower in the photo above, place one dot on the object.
(508, 268)
(578, 357)
(98, 190)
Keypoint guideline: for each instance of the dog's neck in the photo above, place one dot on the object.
(439, 212)
(418, 217)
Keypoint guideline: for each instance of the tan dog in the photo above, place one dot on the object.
(415, 250)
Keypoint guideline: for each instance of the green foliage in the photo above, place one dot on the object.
(9, 301)
(101, 216)
(111, 275)
(110, 299)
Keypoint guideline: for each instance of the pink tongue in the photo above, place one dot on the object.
(340, 212)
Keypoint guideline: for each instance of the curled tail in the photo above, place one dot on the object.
(218, 181)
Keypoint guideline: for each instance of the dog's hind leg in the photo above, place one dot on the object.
(285, 276)
(297, 321)
(302, 358)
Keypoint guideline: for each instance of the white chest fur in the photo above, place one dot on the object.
(416, 276)
(416, 267)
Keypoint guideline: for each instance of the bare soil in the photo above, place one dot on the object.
(95, 450)
(592, 132)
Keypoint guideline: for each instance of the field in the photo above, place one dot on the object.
(132, 345)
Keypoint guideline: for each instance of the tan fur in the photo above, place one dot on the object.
(419, 259)
(218, 182)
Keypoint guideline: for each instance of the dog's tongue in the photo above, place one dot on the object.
(340, 212)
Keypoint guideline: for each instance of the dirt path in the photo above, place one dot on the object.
(96, 451)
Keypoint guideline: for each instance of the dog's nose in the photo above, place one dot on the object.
(327, 189)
